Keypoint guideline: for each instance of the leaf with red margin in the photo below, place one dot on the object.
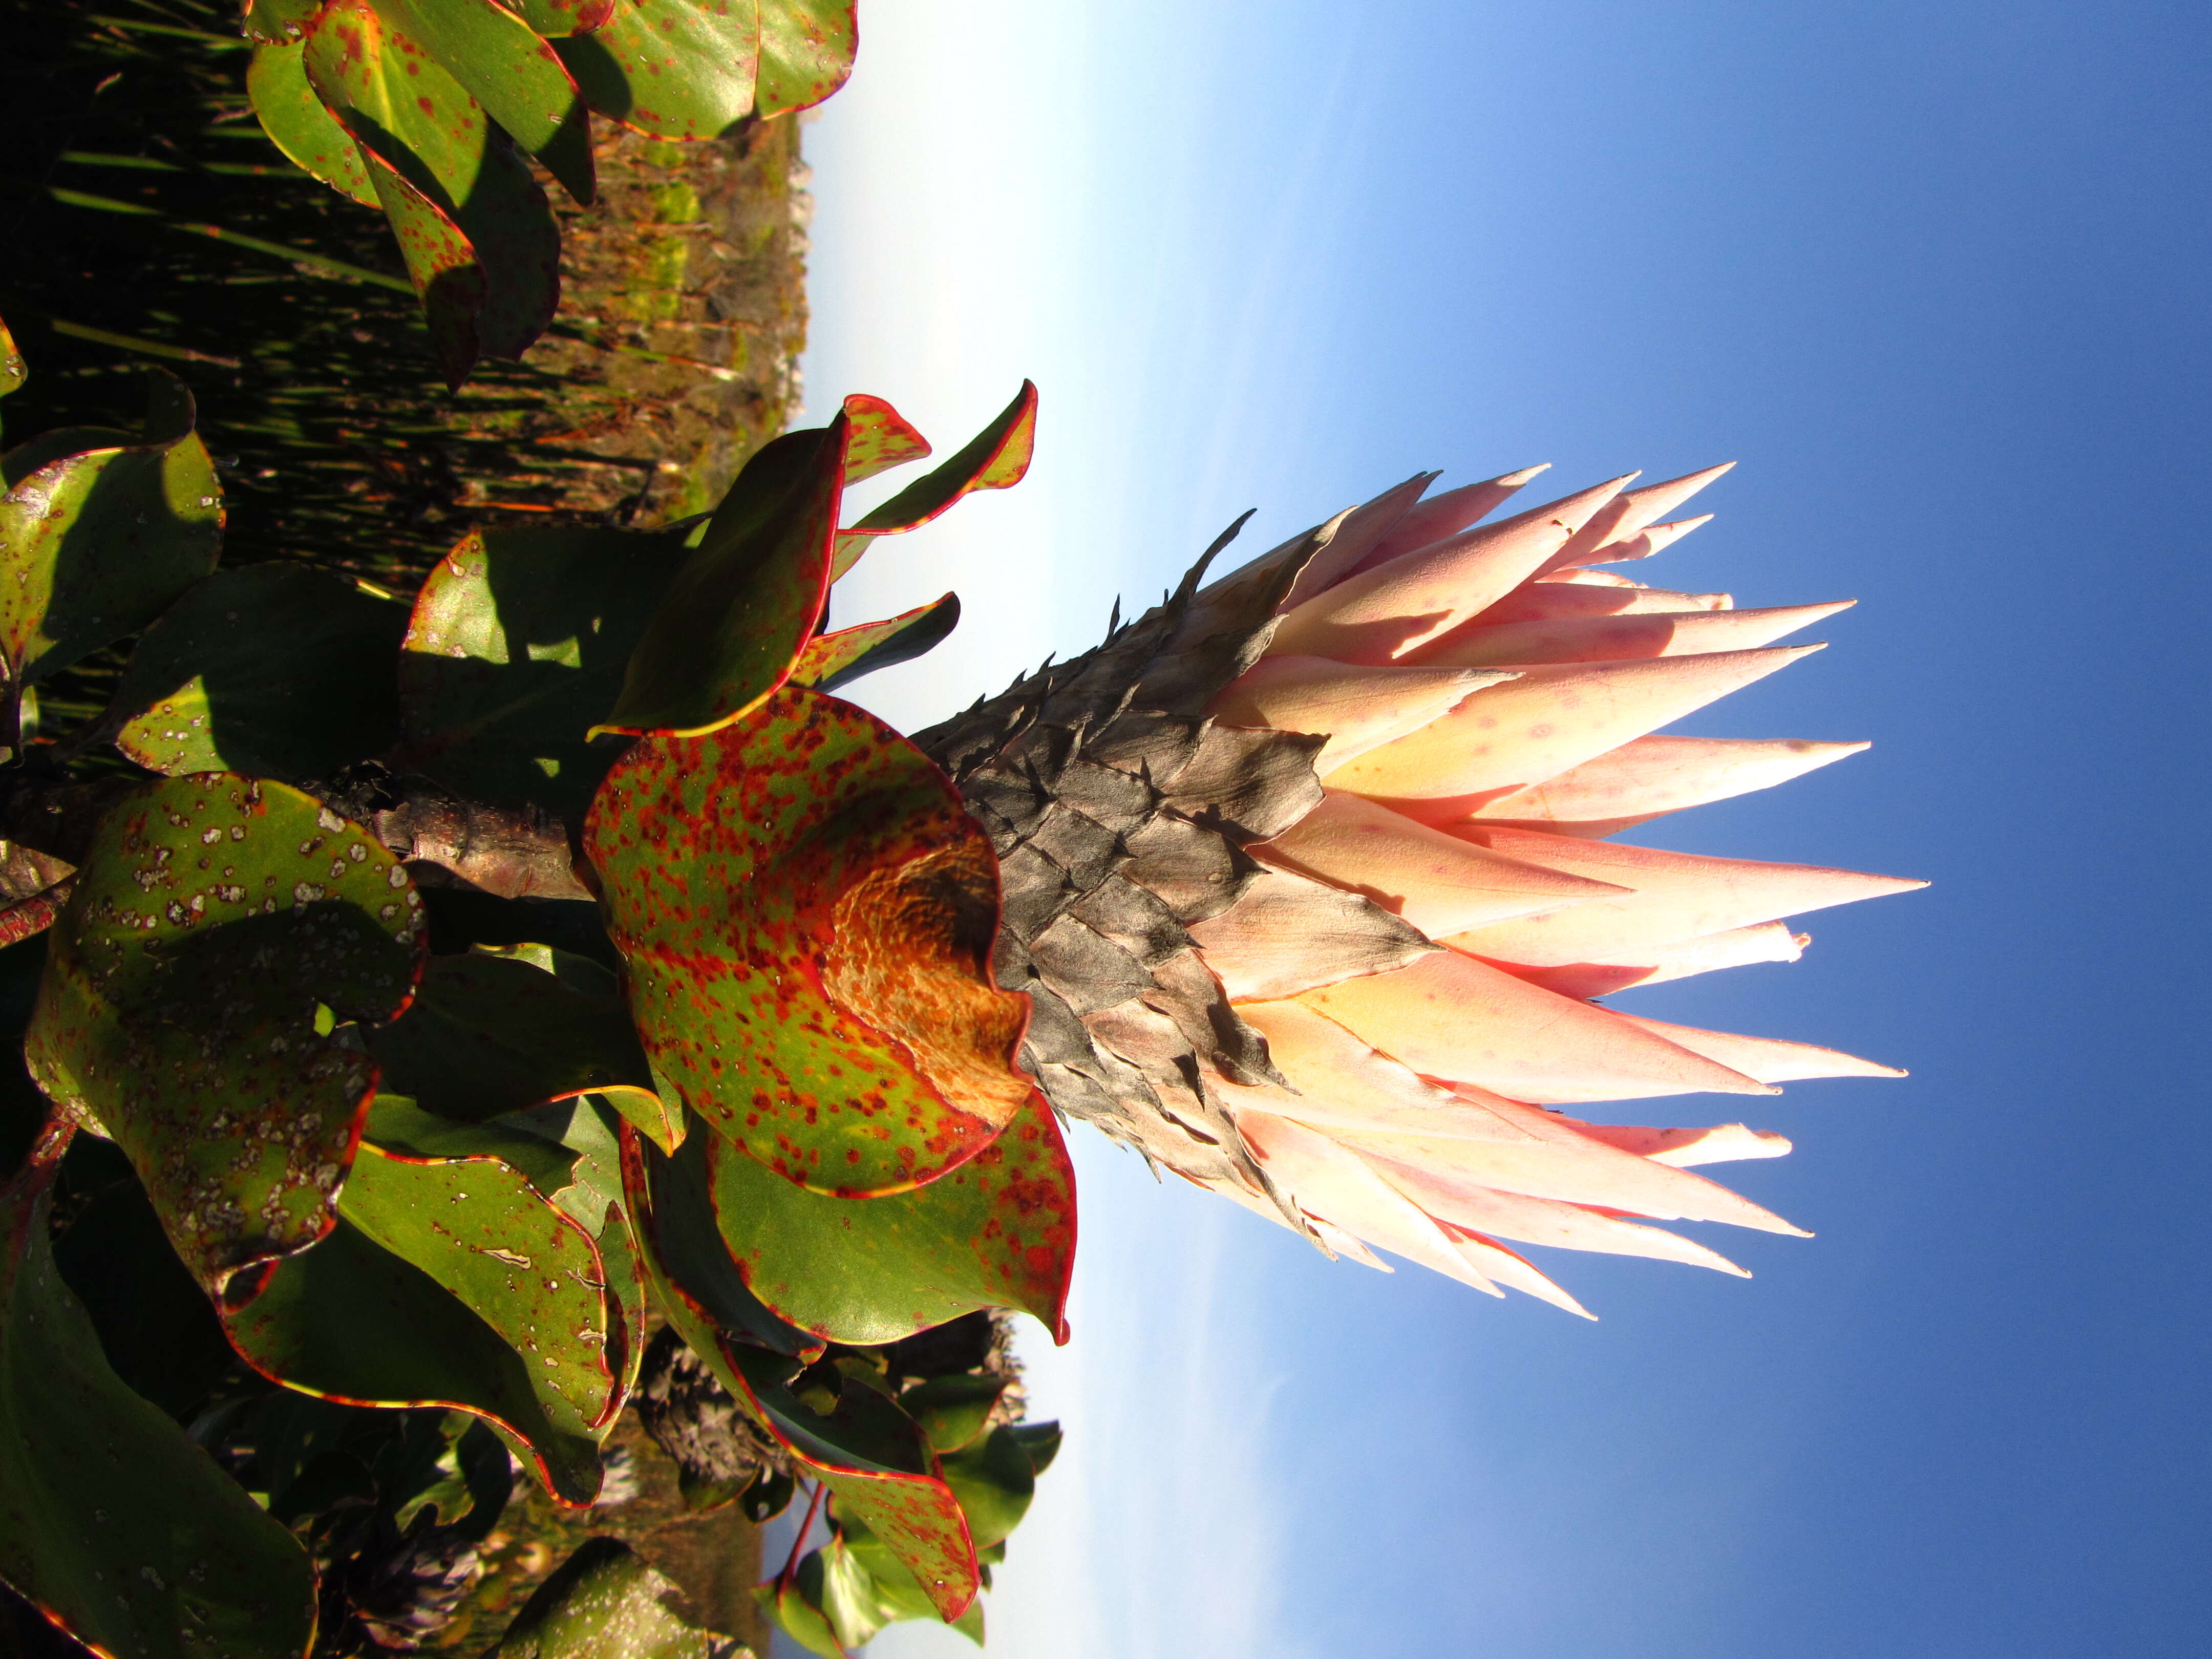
(998, 1231)
(830, 661)
(995, 459)
(880, 439)
(556, 19)
(194, 1008)
(745, 601)
(670, 69)
(298, 124)
(478, 237)
(807, 911)
(448, 1283)
(806, 50)
(112, 1522)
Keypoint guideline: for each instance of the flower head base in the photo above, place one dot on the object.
(1306, 875)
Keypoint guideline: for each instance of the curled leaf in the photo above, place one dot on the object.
(830, 661)
(807, 912)
(298, 124)
(997, 457)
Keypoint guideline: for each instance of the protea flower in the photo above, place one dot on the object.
(1307, 874)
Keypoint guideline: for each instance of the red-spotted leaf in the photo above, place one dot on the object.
(880, 439)
(199, 999)
(830, 661)
(277, 20)
(489, 1035)
(555, 18)
(500, 62)
(13, 369)
(807, 911)
(478, 238)
(995, 459)
(998, 1231)
(874, 1458)
(298, 124)
(459, 1287)
(112, 1522)
(97, 533)
(672, 68)
(747, 597)
(806, 49)
(517, 647)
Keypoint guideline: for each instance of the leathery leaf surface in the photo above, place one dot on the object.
(997, 457)
(830, 661)
(298, 124)
(747, 598)
(197, 1000)
(452, 1282)
(998, 1231)
(112, 1522)
(807, 912)
(516, 649)
(97, 533)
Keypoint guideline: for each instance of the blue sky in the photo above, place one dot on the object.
(1936, 275)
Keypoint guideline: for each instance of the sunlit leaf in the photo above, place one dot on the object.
(997, 457)
(555, 18)
(275, 670)
(806, 50)
(673, 68)
(516, 649)
(93, 544)
(279, 20)
(746, 599)
(807, 911)
(998, 1231)
(197, 1000)
(605, 1601)
(880, 439)
(830, 661)
(298, 124)
(112, 1522)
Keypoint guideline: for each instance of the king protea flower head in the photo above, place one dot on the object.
(1307, 875)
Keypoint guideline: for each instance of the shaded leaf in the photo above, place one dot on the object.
(195, 1006)
(399, 1125)
(746, 599)
(806, 49)
(879, 439)
(830, 661)
(93, 544)
(298, 124)
(354, 1322)
(994, 1480)
(488, 1035)
(499, 60)
(673, 69)
(112, 1522)
(606, 1602)
(995, 459)
(477, 233)
(807, 911)
(953, 1410)
(997, 1231)
(275, 670)
(795, 1606)
(1040, 1440)
(517, 647)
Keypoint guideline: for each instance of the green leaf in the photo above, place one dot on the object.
(879, 440)
(807, 911)
(746, 599)
(555, 18)
(994, 1480)
(681, 68)
(298, 124)
(796, 1610)
(605, 1602)
(997, 457)
(997, 1231)
(499, 60)
(275, 669)
(953, 1410)
(112, 1522)
(221, 931)
(479, 240)
(830, 661)
(14, 371)
(517, 648)
(402, 1321)
(1040, 1440)
(806, 49)
(488, 1035)
(398, 1125)
(279, 20)
(93, 545)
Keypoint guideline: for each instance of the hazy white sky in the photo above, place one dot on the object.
(1935, 275)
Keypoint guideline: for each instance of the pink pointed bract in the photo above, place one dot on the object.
(1493, 702)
